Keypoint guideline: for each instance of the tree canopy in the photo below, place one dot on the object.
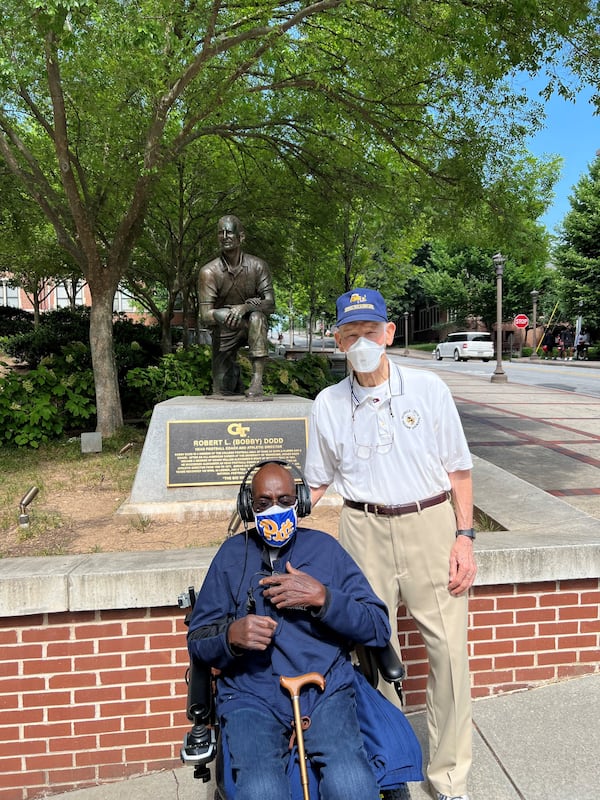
(578, 252)
(99, 99)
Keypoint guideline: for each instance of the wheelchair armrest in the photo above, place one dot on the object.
(199, 697)
(388, 663)
(375, 661)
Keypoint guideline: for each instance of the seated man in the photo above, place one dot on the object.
(281, 600)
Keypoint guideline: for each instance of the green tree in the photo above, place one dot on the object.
(463, 281)
(164, 269)
(98, 100)
(577, 255)
(29, 252)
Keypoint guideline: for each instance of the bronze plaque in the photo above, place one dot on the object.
(221, 451)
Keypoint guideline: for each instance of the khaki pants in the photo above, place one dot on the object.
(406, 560)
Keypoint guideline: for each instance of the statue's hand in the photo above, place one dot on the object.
(255, 302)
(219, 315)
(235, 316)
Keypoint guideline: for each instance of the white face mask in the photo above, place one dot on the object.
(364, 355)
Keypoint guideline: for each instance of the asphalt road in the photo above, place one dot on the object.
(572, 376)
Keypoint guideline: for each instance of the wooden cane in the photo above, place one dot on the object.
(294, 686)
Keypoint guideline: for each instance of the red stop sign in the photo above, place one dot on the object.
(521, 321)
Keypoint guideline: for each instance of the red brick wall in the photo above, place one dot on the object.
(91, 697)
(519, 636)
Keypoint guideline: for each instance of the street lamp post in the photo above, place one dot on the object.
(291, 321)
(406, 353)
(499, 376)
(534, 296)
(580, 350)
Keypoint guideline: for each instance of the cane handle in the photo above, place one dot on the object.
(295, 685)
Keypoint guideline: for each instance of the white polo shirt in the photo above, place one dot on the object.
(390, 444)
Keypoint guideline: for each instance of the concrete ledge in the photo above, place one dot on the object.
(136, 580)
(546, 540)
(545, 537)
(35, 585)
(517, 505)
(99, 581)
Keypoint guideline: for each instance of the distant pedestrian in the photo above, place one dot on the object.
(582, 344)
(548, 343)
(568, 341)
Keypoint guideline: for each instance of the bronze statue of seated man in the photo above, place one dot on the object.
(236, 298)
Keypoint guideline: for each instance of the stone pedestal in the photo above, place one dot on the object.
(198, 449)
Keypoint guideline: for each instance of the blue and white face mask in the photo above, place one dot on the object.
(277, 524)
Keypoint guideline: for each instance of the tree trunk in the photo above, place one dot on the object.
(36, 310)
(108, 401)
(165, 331)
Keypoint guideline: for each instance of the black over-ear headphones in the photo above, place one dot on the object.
(244, 498)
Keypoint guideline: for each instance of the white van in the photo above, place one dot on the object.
(464, 345)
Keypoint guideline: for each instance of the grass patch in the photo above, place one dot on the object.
(427, 347)
(40, 522)
(57, 468)
(483, 522)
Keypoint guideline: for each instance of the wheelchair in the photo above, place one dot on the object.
(202, 744)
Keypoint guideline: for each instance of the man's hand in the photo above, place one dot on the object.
(251, 632)
(463, 568)
(293, 589)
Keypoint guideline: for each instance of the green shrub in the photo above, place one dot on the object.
(305, 377)
(14, 320)
(186, 372)
(56, 329)
(135, 344)
(46, 402)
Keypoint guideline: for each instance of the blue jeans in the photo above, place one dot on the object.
(258, 744)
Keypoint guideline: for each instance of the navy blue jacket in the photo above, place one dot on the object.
(304, 641)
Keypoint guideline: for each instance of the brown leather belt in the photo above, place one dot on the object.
(397, 511)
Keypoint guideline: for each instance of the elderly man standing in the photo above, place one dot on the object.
(390, 441)
(236, 298)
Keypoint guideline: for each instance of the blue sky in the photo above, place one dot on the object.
(573, 132)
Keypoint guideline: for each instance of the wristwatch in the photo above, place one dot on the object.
(469, 532)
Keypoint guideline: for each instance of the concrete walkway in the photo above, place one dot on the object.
(531, 745)
(547, 436)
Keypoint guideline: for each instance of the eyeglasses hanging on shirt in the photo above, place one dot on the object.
(372, 420)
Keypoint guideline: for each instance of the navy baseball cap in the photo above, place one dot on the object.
(361, 305)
